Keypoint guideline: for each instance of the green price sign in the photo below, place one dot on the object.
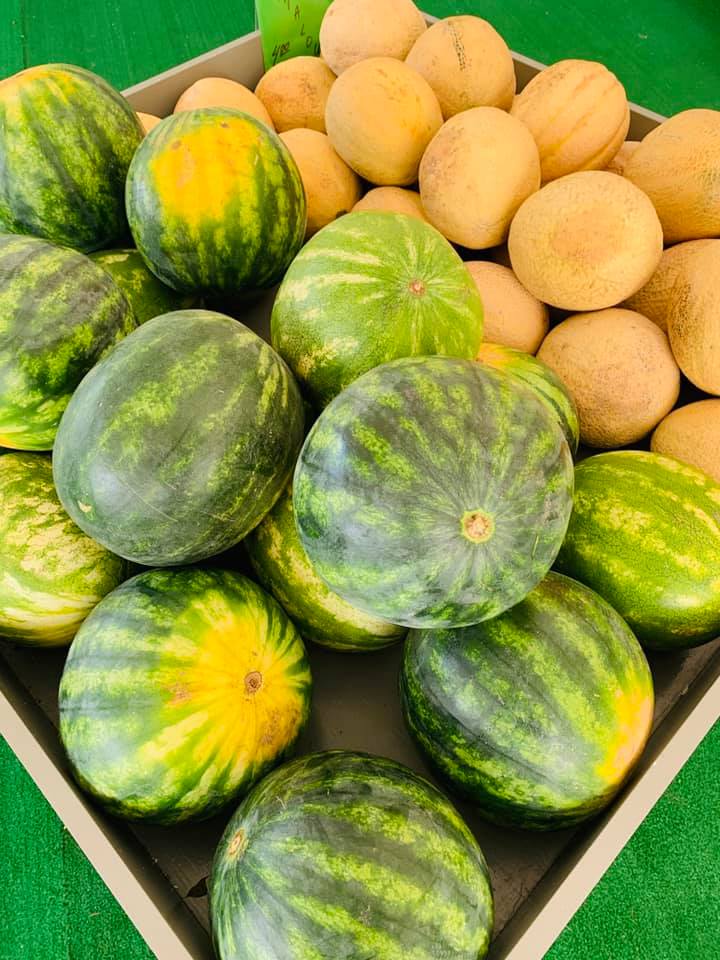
(289, 28)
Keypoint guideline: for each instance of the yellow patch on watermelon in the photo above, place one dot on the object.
(634, 711)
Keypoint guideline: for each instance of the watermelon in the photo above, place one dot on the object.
(545, 383)
(179, 442)
(433, 492)
(51, 574)
(343, 856)
(215, 202)
(368, 288)
(148, 296)
(59, 313)
(538, 716)
(282, 567)
(645, 534)
(180, 690)
(66, 141)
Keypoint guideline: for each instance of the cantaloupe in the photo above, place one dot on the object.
(619, 370)
(513, 317)
(475, 174)
(467, 63)
(678, 166)
(355, 30)
(620, 160)
(294, 93)
(148, 121)
(380, 116)
(692, 434)
(394, 199)
(578, 113)
(586, 241)
(694, 318)
(653, 299)
(331, 187)
(220, 92)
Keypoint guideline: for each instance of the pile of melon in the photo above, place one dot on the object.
(479, 295)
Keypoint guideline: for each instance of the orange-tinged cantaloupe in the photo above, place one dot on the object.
(331, 187)
(577, 110)
(355, 30)
(586, 241)
(220, 92)
(148, 121)
(467, 63)
(513, 316)
(393, 199)
(475, 173)
(294, 93)
(694, 318)
(380, 116)
(620, 371)
(621, 158)
(692, 434)
(678, 166)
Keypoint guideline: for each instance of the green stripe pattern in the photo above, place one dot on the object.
(537, 716)
(59, 314)
(433, 492)
(66, 141)
(180, 690)
(366, 289)
(147, 295)
(645, 534)
(282, 567)
(51, 574)
(341, 855)
(178, 443)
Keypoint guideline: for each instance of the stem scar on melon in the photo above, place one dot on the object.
(417, 287)
(253, 681)
(238, 845)
(477, 526)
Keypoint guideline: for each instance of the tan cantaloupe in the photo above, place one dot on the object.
(586, 241)
(653, 299)
(467, 63)
(578, 113)
(331, 187)
(620, 371)
(294, 93)
(475, 174)
(692, 434)
(620, 160)
(678, 166)
(694, 318)
(393, 199)
(380, 116)
(220, 92)
(513, 317)
(148, 121)
(355, 30)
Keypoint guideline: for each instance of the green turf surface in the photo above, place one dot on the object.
(659, 901)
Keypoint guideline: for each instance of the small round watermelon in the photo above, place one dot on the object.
(368, 288)
(215, 202)
(537, 716)
(179, 442)
(545, 383)
(59, 313)
(147, 295)
(342, 855)
(66, 141)
(282, 566)
(433, 492)
(180, 690)
(51, 574)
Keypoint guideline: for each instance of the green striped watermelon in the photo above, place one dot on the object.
(147, 295)
(180, 690)
(51, 574)
(545, 383)
(537, 716)
(343, 856)
(283, 568)
(66, 142)
(178, 443)
(215, 202)
(368, 288)
(645, 533)
(59, 313)
(433, 492)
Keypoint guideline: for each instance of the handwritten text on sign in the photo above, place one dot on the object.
(289, 28)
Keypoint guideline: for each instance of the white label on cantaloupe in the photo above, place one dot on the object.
(289, 28)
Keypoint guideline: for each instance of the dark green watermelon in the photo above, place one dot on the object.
(342, 856)
(178, 443)
(147, 295)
